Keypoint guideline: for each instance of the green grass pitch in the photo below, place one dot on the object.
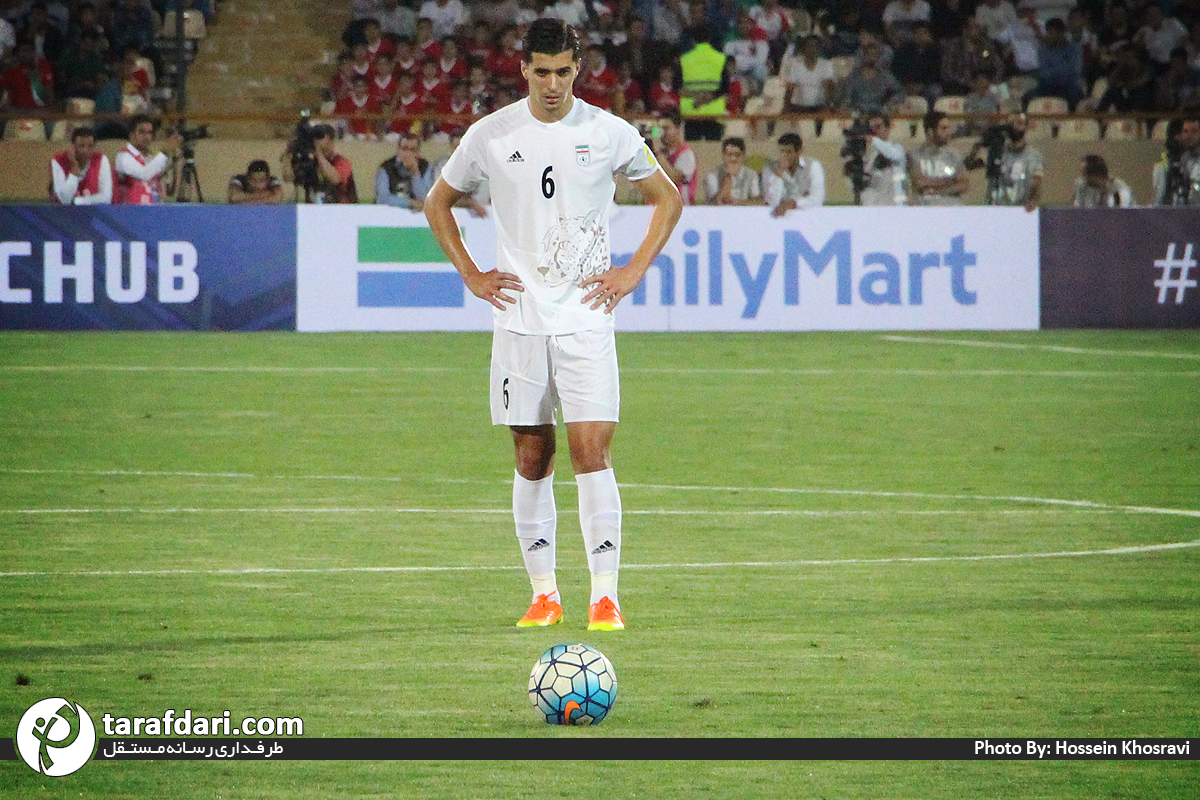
(827, 535)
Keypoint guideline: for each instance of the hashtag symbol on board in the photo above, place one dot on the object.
(1176, 274)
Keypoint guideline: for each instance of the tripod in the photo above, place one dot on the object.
(189, 179)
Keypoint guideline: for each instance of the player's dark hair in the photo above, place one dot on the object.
(933, 119)
(792, 140)
(259, 165)
(736, 141)
(323, 131)
(1094, 166)
(550, 36)
(82, 131)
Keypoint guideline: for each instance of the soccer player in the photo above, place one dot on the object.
(549, 161)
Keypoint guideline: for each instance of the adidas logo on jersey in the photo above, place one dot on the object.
(515, 158)
(538, 545)
(604, 548)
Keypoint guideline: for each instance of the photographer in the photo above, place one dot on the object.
(1177, 176)
(876, 167)
(138, 175)
(256, 187)
(405, 179)
(1095, 189)
(313, 164)
(936, 169)
(1014, 169)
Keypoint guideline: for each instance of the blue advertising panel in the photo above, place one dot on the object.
(147, 268)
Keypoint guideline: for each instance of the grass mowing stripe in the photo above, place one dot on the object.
(1044, 347)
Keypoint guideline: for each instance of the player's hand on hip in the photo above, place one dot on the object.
(607, 288)
(491, 286)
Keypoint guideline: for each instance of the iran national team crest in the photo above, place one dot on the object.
(583, 154)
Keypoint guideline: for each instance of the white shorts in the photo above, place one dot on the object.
(533, 376)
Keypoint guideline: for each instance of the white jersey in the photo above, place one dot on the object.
(552, 185)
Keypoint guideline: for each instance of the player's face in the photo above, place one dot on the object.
(789, 157)
(142, 136)
(550, 78)
(943, 132)
(1189, 134)
(84, 147)
(733, 157)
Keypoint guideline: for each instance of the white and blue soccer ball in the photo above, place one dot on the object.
(573, 684)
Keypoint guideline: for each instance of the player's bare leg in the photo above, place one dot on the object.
(536, 520)
(599, 517)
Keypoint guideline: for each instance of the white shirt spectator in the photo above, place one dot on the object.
(572, 12)
(805, 184)
(807, 87)
(995, 17)
(752, 59)
(447, 16)
(1023, 38)
(1160, 41)
(397, 19)
(906, 13)
(667, 18)
(772, 18)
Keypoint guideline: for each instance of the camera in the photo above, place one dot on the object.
(304, 156)
(854, 151)
(190, 136)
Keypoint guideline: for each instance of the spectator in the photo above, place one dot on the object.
(703, 69)
(1160, 35)
(483, 93)
(1059, 66)
(8, 40)
(456, 110)
(668, 18)
(949, 18)
(1178, 88)
(504, 64)
(597, 81)
(663, 97)
(1095, 189)
(1018, 172)
(1020, 41)
(633, 97)
(1177, 178)
(80, 65)
(451, 65)
(404, 179)
(886, 166)
(793, 181)
(1079, 32)
(870, 88)
(257, 186)
(406, 59)
(27, 85)
(901, 18)
(572, 12)
(356, 107)
(918, 64)
(426, 44)
(809, 78)
(1130, 83)
(753, 52)
(132, 23)
(676, 156)
(373, 37)
(995, 16)
(81, 175)
(480, 46)
(936, 169)
(966, 56)
(723, 17)
(139, 177)
(48, 40)
(398, 19)
(447, 16)
(339, 87)
(383, 85)
(772, 18)
(333, 175)
(733, 183)
(433, 90)
(136, 81)
(980, 106)
(407, 106)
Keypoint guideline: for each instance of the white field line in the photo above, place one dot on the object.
(766, 371)
(770, 512)
(1110, 551)
(1048, 347)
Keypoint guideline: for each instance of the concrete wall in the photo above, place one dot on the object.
(24, 166)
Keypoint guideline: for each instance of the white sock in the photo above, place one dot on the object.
(600, 519)
(536, 519)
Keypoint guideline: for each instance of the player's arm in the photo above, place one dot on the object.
(607, 288)
(488, 286)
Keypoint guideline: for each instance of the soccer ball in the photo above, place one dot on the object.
(573, 684)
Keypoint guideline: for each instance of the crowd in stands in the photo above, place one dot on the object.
(805, 56)
(427, 68)
(86, 55)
